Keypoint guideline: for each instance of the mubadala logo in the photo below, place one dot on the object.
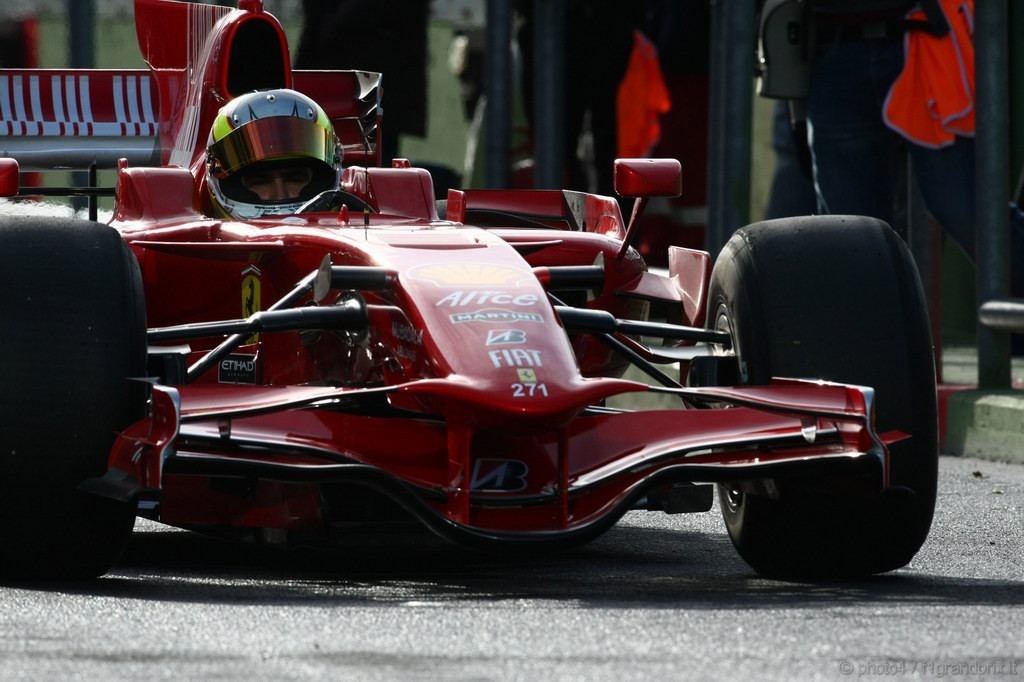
(496, 317)
(458, 299)
(500, 337)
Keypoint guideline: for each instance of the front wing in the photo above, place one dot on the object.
(471, 482)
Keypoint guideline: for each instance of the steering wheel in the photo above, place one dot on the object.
(331, 201)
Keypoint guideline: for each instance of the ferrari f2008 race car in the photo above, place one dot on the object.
(375, 356)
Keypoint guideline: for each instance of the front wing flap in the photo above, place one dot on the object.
(469, 482)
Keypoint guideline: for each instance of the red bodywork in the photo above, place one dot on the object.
(466, 402)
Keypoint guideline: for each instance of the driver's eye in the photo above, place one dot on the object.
(298, 175)
(277, 184)
(252, 180)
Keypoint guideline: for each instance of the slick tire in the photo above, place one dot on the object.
(836, 298)
(73, 333)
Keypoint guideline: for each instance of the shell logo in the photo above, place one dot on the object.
(470, 274)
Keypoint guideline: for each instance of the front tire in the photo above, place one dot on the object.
(836, 298)
(74, 332)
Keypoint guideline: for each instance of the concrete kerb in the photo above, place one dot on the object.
(988, 424)
(983, 423)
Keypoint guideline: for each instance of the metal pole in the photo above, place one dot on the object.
(82, 24)
(926, 247)
(714, 231)
(731, 110)
(549, 93)
(497, 87)
(82, 55)
(1016, 41)
(992, 239)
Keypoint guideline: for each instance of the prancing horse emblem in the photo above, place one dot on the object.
(251, 296)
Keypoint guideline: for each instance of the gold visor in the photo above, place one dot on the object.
(266, 139)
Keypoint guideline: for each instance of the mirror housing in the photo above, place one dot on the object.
(648, 178)
(9, 186)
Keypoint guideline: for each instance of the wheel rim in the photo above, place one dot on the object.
(723, 323)
(732, 500)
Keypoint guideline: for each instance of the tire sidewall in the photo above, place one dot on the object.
(835, 298)
(75, 312)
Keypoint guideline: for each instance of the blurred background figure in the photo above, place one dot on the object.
(858, 55)
(641, 101)
(680, 31)
(792, 187)
(599, 39)
(388, 36)
(467, 62)
(19, 48)
(18, 42)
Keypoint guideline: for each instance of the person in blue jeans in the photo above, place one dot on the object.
(858, 54)
(792, 188)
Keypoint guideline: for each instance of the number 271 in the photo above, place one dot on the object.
(529, 390)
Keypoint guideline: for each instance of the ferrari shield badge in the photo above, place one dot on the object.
(251, 296)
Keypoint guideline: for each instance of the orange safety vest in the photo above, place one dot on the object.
(932, 100)
(641, 99)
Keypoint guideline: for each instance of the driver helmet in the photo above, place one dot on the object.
(270, 133)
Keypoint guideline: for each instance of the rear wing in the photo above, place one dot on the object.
(199, 56)
(352, 100)
(53, 119)
(80, 119)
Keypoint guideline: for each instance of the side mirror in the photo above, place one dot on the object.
(648, 178)
(9, 178)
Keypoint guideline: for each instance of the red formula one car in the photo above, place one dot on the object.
(375, 357)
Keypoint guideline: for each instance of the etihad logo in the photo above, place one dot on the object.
(238, 369)
(470, 274)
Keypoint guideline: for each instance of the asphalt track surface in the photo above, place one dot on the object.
(657, 598)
